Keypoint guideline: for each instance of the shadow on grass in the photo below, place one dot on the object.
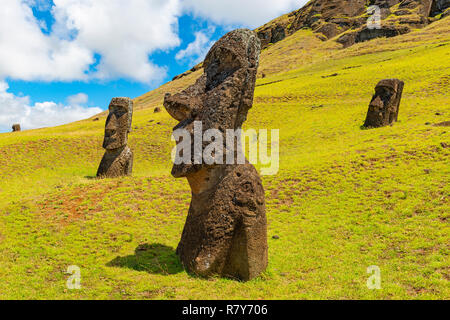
(152, 258)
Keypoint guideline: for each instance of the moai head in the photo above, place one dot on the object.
(384, 107)
(118, 123)
(16, 127)
(222, 96)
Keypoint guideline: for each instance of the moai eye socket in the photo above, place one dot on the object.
(118, 111)
(221, 64)
(385, 94)
(384, 106)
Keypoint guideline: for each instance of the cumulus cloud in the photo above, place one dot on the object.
(28, 54)
(78, 99)
(196, 51)
(250, 13)
(41, 5)
(15, 109)
(122, 33)
(111, 39)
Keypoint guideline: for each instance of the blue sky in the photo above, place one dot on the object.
(63, 60)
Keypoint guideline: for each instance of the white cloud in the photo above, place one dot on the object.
(78, 99)
(196, 51)
(14, 109)
(28, 54)
(250, 13)
(123, 33)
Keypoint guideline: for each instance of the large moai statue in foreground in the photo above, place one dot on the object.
(16, 127)
(226, 230)
(118, 158)
(385, 104)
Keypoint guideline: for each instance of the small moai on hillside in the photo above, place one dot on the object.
(16, 127)
(226, 229)
(385, 104)
(118, 158)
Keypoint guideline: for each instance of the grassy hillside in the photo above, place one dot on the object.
(344, 199)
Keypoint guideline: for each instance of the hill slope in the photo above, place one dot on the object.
(344, 198)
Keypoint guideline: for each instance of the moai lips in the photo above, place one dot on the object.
(118, 158)
(226, 231)
(384, 107)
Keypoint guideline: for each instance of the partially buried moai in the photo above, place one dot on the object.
(118, 158)
(384, 107)
(16, 128)
(226, 230)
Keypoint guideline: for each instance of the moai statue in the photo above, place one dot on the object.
(384, 107)
(118, 158)
(16, 127)
(226, 230)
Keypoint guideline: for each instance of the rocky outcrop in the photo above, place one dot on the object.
(346, 20)
(365, 34)
(439, 7)
(225, 232)
(118, 158)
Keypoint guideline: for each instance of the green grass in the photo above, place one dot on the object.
(344, 198)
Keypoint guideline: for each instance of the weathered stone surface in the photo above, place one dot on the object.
(388, 31)
(329, 30)
(16, 127)
(118, 158)
(225, 232)
(384, 107)
(439, 6)
(366, 34)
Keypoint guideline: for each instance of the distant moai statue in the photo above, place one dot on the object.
(118, 158)
(226, 229)
(16, 127)
(385, 104)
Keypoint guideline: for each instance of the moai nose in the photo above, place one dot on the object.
(111, 126)
(377, 103)
(111, 123)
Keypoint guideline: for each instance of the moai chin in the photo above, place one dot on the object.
(226, 230)
(118, 158)
(16, 127)
(384, 107)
